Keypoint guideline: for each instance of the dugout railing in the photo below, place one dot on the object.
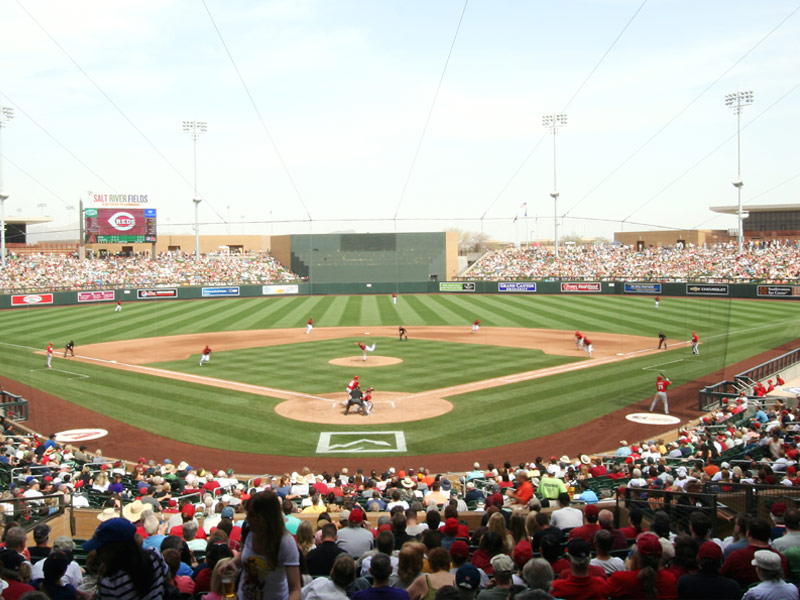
(677, 505)
(13, 407)
(713, 395)
(752, 499)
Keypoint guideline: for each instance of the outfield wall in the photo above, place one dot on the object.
(166, 292)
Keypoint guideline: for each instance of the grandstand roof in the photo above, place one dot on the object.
(732, 210)
(27, 220)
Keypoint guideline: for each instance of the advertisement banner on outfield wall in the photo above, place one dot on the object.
(279, 290)
(778, 290)
(456, 286)
(220, 291)
(31, 299)
(516, 287)
(98, 296)
(155, 293)
(642, 288)
(583, 287)
(696, 289)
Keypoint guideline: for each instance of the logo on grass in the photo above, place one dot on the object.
(361, 442)
(652, 419)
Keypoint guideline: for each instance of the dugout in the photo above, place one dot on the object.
(369, 257)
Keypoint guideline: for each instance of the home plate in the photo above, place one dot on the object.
(620, 354)
(648, 418)
(366, 333)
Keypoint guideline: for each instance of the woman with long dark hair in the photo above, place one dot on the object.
(646, 580)
(269, 560)
(126, 571)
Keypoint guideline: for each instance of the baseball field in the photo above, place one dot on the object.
(270, 389)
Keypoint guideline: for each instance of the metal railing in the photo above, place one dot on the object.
(755, 500)
(677, 505)
(13, 407)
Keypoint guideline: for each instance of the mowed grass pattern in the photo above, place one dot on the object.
(730, 331)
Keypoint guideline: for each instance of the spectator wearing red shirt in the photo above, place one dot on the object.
(586, 531)
(579, 585)
(635, 517)
(738, 564)
(645, 579)
(599, 469)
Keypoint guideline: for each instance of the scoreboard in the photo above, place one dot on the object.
(119, 225)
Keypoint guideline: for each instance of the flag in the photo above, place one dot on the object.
(524, 206)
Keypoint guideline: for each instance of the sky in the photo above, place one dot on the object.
(373, 116)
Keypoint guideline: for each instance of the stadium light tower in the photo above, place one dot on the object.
(6, 114)
(195, 129)
(553, 122)
(737, 101)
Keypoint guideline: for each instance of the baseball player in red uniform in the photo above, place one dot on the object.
(367, 400)
(49, 355)
(365, 349)
(350, 387)
(394, 297)
(587, 345)
(579, 340)
(695, 343)
(476, 325)
(118, 307)
(662, 383)
(309, 326)
(205, 356)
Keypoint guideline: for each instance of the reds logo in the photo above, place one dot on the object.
(122, 221)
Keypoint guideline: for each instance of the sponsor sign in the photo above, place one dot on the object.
(456, 286)
(31, 299)
(652, 419)
(149, 294)
(119, 199)
(279, 290)
(120, 225)
(80, 435)
(718, 289)
(584, 287)
(642, 288)
(221, 291)
(358, 442)
(516, 286)
(99, 296)
(778, 290)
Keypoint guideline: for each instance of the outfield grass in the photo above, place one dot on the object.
(731, 330)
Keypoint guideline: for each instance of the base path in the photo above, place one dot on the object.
(50, 413)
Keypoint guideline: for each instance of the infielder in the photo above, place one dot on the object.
(579, 340)
(70, 347)
(309, 326)
(118, 307)
(475, 326)
(695, 343)
(662, 383)
(587, 345)
(49, 355)
(365, 349)
(205, 356)
(403, 334)
(662, 339)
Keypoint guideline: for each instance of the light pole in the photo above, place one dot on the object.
(553, 122)
(737, 101)
(6, 114)
(195, 129)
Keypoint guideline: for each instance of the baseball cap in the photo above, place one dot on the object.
(188, 510)
(11, 559)
(579, 548)
(459, 548)
(113, 530)
(227, 512)
(356, 516)
(451, 526)
(766, 559)
(523, 552)
(591, 510)
(778, 509)
(502, 563)
(710, 550)
(648, 545)
(468, 577)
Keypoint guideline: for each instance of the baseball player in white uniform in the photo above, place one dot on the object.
(365, 348)
(309, 326)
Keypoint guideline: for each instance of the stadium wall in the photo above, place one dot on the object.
(580, 288)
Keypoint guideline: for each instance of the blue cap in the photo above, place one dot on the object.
(468, 577)
(29, 478)
(167, 461)
(113, 530)
(227, 512)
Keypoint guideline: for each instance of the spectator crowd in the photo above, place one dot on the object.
(40, 272)
(772, 263)
(546, 528)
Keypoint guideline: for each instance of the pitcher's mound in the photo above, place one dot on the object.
(389, 407)
(372, 361)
